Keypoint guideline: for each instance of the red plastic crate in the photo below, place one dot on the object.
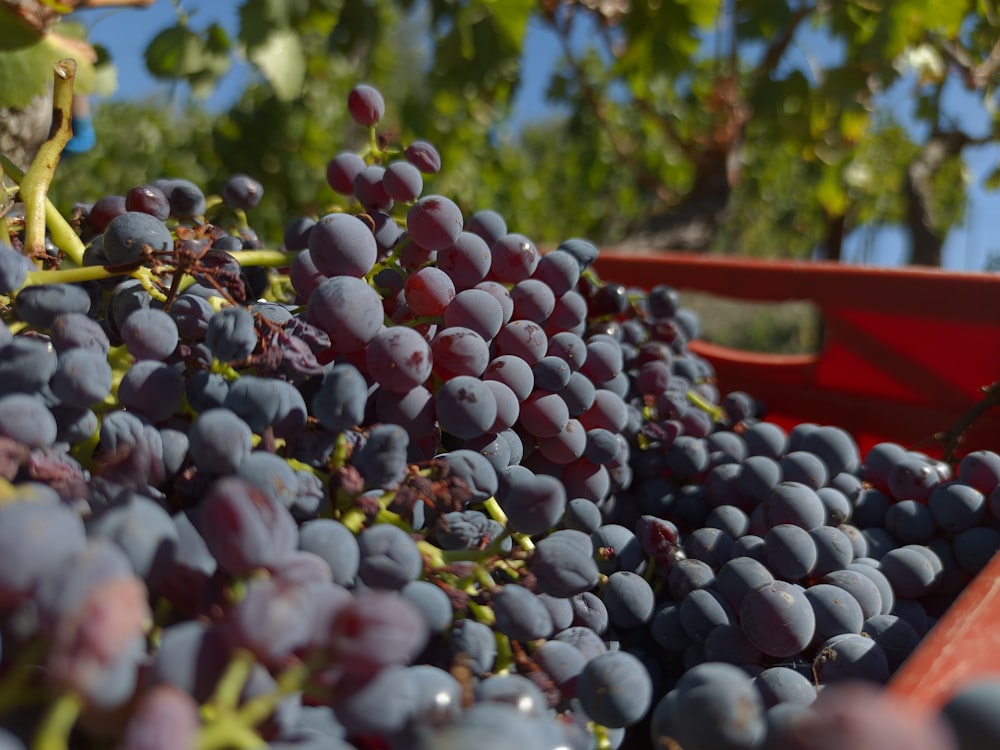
(905, 354)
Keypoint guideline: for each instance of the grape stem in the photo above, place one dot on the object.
(60, 231)
(952, 437)
(53, 734)
(35, 184)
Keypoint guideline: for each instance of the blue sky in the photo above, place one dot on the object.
(126, 32)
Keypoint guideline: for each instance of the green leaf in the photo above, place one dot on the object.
(831, 194)
(992, 181)
(510, 18)
(174, 53)
(282, 62)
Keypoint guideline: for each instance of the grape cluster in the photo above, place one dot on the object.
(411, 482)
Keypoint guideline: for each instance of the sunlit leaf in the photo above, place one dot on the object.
(282, 63)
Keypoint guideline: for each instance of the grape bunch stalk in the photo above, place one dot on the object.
(407, 481)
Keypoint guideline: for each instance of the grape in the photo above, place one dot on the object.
(512, 371)
(476, 643)
(783, 685)
(563, 564)
(794, 503)
(231, 334)
(805, 468)
(520, 615)
(851, 656)
(432, 602)
(342, 245)
(270, 474)
(714, 705)
(702, 611)
(477, 310)
(369, 189)
(836, 611)
(14, 269)
(402, 181)
(895, 636)
(910, 522)
(335, 544)
(129, 233)
(466, 260)
(466, 407)
(558, 270)
(41, 305)
(614, 689)
(348, 310)
(956, 507)
(515, 258)
(339, 403)
(423, 156)
(434, 222)
(584, 251)
(860, 716)
(913, 478)
(909, 572)
(428, 291)
(862, 588)
(27, 420)
(267, 403)
(242, 192)
(82, 377)
(342, 171)
(365, 104)
(399, 359)
(37, 541)
(534, 504)
(152, 389)
(150, 334)
(26, 366)
(164, 717)
(272, 620)
(377, 629)
(533, 300)
(972, 713)
(778, 619)
(389, 557)
(243, 528)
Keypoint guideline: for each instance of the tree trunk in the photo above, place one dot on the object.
(694, 223)
(925, 241)
(833, 247)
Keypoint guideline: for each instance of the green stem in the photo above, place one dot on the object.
(68, 275)
(481, 613)
(53, 733)
(505, 654)
(15, 684)
(228, 733)
(256, 710)
(495, 512)
(62, 234)
(35, 184)
(265, 258)
(716, 412)
(233, 680)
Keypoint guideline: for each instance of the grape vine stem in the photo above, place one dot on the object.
(35, 185)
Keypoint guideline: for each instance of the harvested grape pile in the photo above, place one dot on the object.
(409, 483)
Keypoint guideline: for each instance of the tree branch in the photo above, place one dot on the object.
(776, 50)
(594, 102)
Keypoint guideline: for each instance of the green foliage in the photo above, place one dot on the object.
(27, 57)
(654, 98)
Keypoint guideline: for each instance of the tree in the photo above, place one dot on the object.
(698, 124)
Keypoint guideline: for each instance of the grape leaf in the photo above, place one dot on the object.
(282, 62)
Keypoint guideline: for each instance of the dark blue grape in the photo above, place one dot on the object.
(778, 619)
(614, 689)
